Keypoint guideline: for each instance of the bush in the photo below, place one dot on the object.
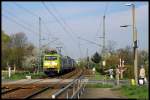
(129, 73)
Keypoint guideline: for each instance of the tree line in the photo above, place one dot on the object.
(17, 51)
(112, 58)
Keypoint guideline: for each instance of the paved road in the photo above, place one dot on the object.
(100, 93)
(113, 82)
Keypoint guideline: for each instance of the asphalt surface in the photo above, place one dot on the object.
(100, 93)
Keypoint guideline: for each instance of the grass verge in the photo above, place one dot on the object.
(134, 92)
(98, 76)
(22, 75)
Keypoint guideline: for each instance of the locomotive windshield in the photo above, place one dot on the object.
(50, 57)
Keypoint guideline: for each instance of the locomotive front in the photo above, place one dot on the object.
(51, 64)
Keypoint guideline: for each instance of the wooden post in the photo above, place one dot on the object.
(9, 72)
(117, 75)
(122, 69)
(14, 68)
(120, 62)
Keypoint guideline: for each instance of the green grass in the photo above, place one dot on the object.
(16, 76)
(138, 92)
(22, 75)
(99, 85)
(36, 76)
(98, 76)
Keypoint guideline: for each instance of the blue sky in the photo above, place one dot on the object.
(84, 19)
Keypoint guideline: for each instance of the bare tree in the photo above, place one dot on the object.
(19, 40)
(18, 44)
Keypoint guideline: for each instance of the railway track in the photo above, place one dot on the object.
(34, 90)
(11, 87)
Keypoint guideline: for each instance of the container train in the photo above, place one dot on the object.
(54, 63)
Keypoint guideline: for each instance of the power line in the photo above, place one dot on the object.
(18, 18)
(49, 32)
(18, 23)
(63, 19)
(31, 13)
(64, 22)
(51, 13)
(28, 11)
(90, 42)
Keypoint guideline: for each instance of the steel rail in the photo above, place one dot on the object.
(48, 87)
(65, 88)
(37, 92)
(19, 87)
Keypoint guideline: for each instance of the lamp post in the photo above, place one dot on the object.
(134, 41)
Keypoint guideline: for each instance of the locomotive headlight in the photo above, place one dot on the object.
(54, 63)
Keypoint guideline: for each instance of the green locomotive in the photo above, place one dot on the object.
(54, 63)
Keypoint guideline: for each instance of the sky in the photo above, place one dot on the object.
(66, 21)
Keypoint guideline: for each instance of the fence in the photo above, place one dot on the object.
(75, 88)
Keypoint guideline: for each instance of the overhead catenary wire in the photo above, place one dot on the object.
(60, 23)
(34, 15)
(64, 22)
(49, 32)
(16, 17)
(90, 41)
(19, 24)
(22, 24)
(31, 13)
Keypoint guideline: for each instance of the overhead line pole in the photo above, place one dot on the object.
(135, 44)
(87, 59)
(104, 36)
(135, 47)
(103, 51)
(39, 65)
